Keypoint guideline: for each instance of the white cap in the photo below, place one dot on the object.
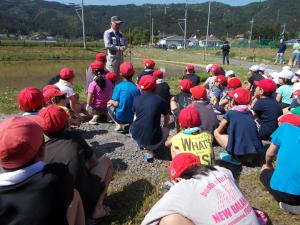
(286, 74)
(286, 68)
(297, 73)
(207, 68)
(261, 68)
(296, 87)
(229, 73)
(274, 74)
(254, 68)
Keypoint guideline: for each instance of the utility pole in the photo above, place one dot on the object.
(83, 26)
(152, 31)
(251, 30)
(180, 21)
(207, 28)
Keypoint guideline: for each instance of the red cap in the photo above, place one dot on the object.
(181, 163)
(185, 85)
(241, 95)
(112, 77)
(190, 68)
(147, 83)
(100, 56)
(189, 117)
(221, 79)
(199, 92)
(66, 73)
(20, 140)
(126, 70)
(268, 85)
(216, 69)
(51, 93)
(290, 118)
(54, 119)
(149, 63)
(234, 82)
(97, 65)
(158, 74)
(30, 99)
(296, 93)
(50, 86)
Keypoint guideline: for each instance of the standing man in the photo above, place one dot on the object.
(225, 52)
(115, 44)
(280, 53)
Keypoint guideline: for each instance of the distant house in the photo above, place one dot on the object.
(240, 36)
(38, 37)
(193, 41)
(170, 41)
(212, 41)
(291, 41)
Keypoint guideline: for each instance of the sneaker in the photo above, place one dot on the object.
(229, 158)
(148, 157)
(93, 122)
(294, 209)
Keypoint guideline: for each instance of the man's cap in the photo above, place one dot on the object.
(97, 65)
(208, 67)
(221, 79)
(296, 111)
(53, 117)
(268, 85)
(158, 74)
(286, 74)
(66, 73)
(234, 82)
(215, 68)
(181, 163)
(100, 56)
(185, 85)
(116, 19)
(290, 118)
(229, 73)
(30, 99)
(190, 68)
(20, 140)
(50, 86)
(111, 76)
(126, 70)
(51, 93)
(241, 95)
(254, 68)
(189, 117)
(199, 92)
(147, 83)
(149, 63)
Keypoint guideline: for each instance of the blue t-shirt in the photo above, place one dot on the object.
(242, 133)
(219, 92)
(286, 93)
(268, 110)
(124, 92)
(146, 129)
(286, 177)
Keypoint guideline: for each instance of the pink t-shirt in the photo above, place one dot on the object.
(100, 97)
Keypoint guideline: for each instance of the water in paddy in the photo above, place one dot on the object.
(36, 73)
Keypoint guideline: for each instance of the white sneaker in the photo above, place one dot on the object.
(93, 122)
(294, 209)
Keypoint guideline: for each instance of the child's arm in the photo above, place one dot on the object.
(112, 103)
(222, 126)
(278, 97)
(166, 120)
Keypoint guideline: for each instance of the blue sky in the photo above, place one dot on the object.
(140, 2)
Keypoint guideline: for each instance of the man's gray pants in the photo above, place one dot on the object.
(113, 63)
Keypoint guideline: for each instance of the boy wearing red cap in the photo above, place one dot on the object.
(201, 195)
(283, 181)
(241, 141)
(99, 93)
(214, 71)
(191, 137)
(209, 119)
(91, 175)
(148, 69)
(100, 57)
(189, 73)
(162, 87)
(30, 100)
(36, 193)
(266, 109)
(120, 105)
(146, 129)
(220, 83)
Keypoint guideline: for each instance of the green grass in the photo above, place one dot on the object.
(8, 101)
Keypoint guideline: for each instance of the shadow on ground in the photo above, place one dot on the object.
(101, 149)
(119, 164)
(91, 133)
(126, 203)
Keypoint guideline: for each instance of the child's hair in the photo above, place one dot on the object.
(57, 99)
(100, 80)
(266, 94)
(287, 81)
(195, 171)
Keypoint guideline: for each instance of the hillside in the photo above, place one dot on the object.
(28, 16)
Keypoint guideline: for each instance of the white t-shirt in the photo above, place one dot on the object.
(207, 200)
(66, 87)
